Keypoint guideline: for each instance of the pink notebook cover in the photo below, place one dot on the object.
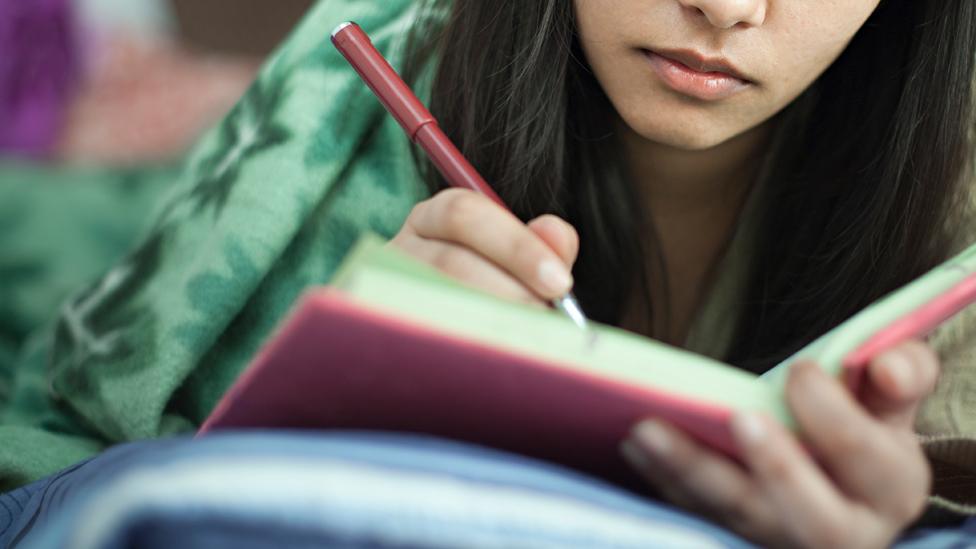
(337, 365)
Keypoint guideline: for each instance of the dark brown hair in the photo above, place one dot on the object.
(863, 192)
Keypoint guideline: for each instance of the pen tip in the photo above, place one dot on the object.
(571, 307)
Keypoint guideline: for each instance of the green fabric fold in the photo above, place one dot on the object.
(265, 205)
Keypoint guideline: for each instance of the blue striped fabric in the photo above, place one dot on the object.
(342, 489)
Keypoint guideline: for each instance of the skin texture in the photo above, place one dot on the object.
(873, 480)
(781, 46)
(693, 161)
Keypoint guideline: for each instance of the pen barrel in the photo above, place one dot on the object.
(373, 68)
(418, 123)
(451, 163)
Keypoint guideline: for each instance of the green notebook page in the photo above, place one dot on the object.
(830, 349)
(389, 282)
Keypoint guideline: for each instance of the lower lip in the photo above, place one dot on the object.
(707, 86)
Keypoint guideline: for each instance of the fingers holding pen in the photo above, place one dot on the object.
(538, 256)
(468, 267)
(559, 235)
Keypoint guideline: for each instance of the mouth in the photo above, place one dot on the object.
(692, 74)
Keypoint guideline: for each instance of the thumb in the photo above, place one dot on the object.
(898, 380)
(558, 235)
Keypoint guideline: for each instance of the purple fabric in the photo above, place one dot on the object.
(38, 68)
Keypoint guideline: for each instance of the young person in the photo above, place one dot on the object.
(737, 177)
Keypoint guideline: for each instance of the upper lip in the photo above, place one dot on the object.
(701, 63)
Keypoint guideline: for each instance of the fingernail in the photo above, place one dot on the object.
(554, 276)
(748, 429)
(899, 369)
(653, 436)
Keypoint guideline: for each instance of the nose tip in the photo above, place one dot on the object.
(726, 14)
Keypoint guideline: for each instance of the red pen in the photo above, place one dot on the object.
(421, 127)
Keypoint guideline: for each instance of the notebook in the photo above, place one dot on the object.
(392, 344)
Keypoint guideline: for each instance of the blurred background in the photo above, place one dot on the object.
(127, 82)
(99, 102)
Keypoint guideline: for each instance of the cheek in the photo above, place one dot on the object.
(808, 38)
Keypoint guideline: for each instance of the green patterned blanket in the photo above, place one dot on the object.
(130, 302)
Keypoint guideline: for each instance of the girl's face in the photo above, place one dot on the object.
(694, 73)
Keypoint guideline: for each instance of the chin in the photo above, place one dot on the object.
(693, 141)
(680, 134)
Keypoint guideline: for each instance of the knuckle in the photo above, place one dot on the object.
(418, 209)
(750, 507)
(685, 462)
(525, 250)
(397, 242)
(682, 465)
(407, 242)
(419, 215)
(848, 439)
(460, 208)
(566, 228)
(778, 468)
(452, 261)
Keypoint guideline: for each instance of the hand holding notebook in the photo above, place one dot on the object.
(392, 344)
